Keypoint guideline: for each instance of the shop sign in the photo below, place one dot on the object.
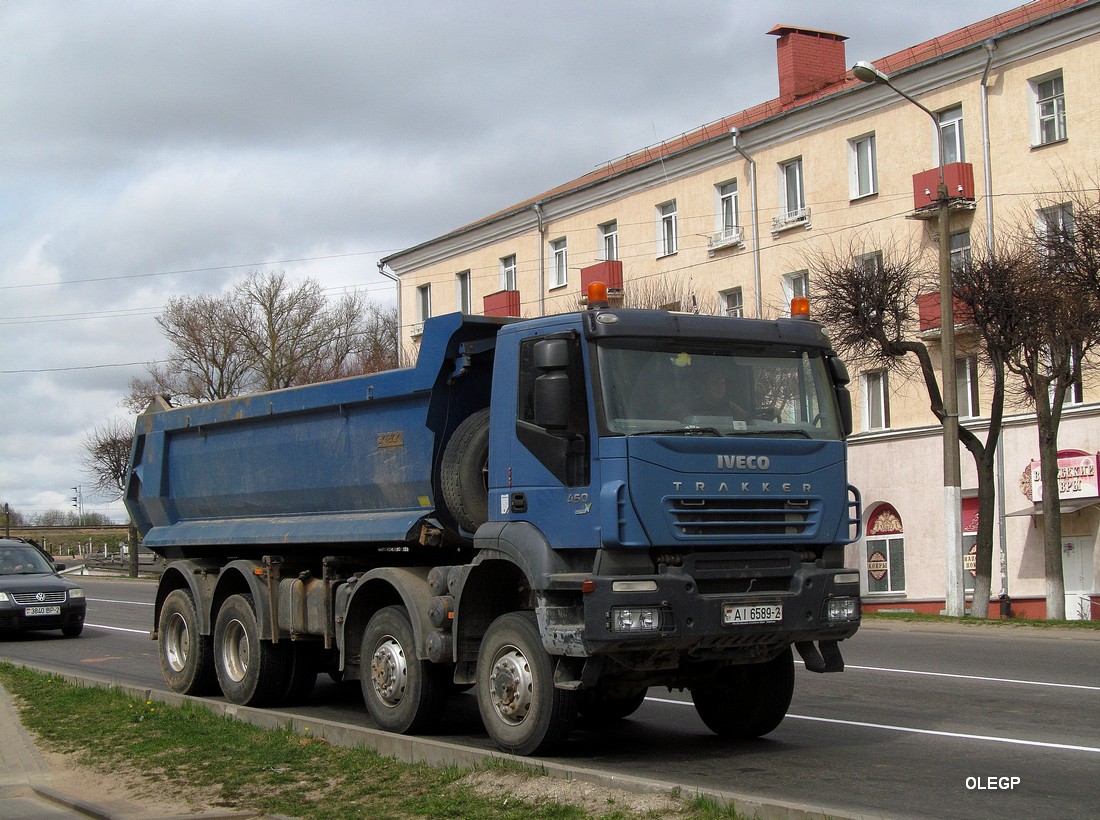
(1076, 478)
(876, 565)
(970, 561)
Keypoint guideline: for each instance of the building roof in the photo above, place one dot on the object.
(971, 36)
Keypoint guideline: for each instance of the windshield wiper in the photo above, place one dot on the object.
(682, 431)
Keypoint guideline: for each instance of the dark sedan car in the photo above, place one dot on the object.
(32, 593)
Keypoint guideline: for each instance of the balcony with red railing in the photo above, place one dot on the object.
(959, 179)
(931, 317)
(502, 303)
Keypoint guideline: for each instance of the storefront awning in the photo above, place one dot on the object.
(1069, 506)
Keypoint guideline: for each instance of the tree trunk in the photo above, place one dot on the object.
(1052, 524)
(133, 538)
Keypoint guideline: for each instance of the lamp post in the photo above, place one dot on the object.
(952, 491)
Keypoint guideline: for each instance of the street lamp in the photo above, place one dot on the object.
(952, 492)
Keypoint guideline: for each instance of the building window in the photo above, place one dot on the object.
(609, 241)
(870, 263)
(733, 302)
(792, 198)
(966, 387)
(862, 166)
(666, 228)
(423, 302)
(796, 284)
(885, 551)
(463, 299)
(1050, 109)
(951, 135)
(559, 276)
(508, 273)
(727, 209)
(960, 250)
(876, 401)
(1055, 228)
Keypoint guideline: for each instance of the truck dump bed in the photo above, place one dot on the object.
(347, 461)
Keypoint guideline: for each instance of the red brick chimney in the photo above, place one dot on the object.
(808, 60)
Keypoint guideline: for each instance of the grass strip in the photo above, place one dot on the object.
(969, 620)
(241, 767)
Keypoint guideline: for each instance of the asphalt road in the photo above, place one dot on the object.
(943, 721)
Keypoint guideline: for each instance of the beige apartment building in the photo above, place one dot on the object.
(727, 217)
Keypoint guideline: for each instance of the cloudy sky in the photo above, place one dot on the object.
(151, 150)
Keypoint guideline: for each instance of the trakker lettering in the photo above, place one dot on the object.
(743, 462)
(746, 487)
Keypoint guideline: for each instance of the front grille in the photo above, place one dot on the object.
(732, 517)
(36, 598)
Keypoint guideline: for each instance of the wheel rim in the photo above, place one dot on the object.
(177, 642)
(235, 651)
(511, 685)
(389, 671)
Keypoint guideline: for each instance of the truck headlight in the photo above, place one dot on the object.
(630, 619)
(842, 609)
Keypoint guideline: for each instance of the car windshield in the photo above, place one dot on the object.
(698, 387)
(23, 561)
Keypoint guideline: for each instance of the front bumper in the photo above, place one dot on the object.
(708, 609)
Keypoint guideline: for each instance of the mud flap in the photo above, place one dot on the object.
(822, 657)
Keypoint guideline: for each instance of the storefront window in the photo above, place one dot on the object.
(885, 551)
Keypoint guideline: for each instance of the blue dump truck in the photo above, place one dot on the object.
(562, 511)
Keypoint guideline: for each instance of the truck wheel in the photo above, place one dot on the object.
(464, 472)
(597, 710)
(303, 659)
(251, 672)
(747, 701)
(523, 712)
(402, 694)
(186, 657)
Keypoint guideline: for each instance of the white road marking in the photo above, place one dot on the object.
(982, 678)
(913, 730)
(118, 628)
(110, 601)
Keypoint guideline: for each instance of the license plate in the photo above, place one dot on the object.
(42, 610)
(755, 614)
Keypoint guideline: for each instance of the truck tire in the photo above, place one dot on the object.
(464, 472)
(303, 660)
(523, 712)
(402, 693)
(748, 701)
(251, 672)
(186, 657)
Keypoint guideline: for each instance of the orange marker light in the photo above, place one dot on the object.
(800, 308)
(597, 295)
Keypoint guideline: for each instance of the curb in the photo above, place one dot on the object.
(413, 749)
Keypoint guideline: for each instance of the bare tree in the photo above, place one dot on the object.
(376, 347)
(1058, 309)
(208, 360)
(107, 461)
(266, 334)
(869, 301)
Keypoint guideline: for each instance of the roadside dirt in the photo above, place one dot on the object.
(133, 797)
(127, 796)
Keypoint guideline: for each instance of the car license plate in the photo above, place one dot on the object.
(754, 614)
(42, 610)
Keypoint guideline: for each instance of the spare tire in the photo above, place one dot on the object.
(464, 472)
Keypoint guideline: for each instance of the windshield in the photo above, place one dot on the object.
(696, 387)
(23, 561)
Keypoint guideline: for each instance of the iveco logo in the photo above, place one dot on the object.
(743, 462)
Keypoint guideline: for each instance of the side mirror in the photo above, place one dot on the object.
(843, 397)
(552, 388)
